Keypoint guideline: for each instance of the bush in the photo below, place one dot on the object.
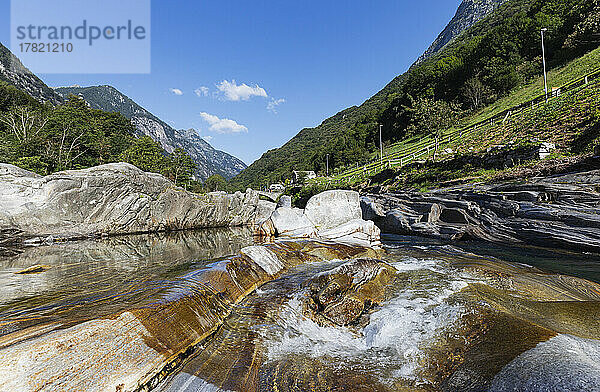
(34, 164)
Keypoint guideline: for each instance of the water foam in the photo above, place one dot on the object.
(392, 341)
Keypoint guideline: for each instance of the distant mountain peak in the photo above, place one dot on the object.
(14, 72)
(469, 12)
(209, 160)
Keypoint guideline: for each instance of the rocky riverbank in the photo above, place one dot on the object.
(558, 211)
(111, 199)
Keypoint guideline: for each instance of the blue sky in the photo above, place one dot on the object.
(271, 67)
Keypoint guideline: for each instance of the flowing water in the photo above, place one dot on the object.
(474, 318)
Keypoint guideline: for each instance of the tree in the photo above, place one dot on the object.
(476, 93)
(433, 117)
(215, 183)
(181, 167)
(24, 123)
(146, 154)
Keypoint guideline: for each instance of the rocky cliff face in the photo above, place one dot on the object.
(469, 12)
(209, 160)
(111, 199)
(14, 72)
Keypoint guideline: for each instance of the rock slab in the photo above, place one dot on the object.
(116, 198)
(558, 212)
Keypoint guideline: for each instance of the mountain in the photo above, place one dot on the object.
(469, 12)
(209, 160)
(14, 72)
(494, 44)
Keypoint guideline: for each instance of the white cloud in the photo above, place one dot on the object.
(272, 105)
(176, 91)
(201, 91)
(234, 92)
(208, 138)
(222, 125)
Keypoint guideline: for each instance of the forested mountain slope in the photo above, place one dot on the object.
(497, 54)
(209, 161)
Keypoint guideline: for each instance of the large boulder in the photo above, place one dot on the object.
(291, 222)
(264, 210)
(116, 198)
(331, 215)
(333, 208)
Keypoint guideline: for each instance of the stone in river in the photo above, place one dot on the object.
(333, 208)
(342, 295)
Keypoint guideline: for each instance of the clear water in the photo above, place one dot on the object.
(437, 330)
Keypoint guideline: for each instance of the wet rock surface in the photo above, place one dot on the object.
(133, 348)
(341, 296)
(560, 212)
(110, 199)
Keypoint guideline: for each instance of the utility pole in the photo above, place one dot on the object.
(327, 165)
(544, 62)
(380, 142)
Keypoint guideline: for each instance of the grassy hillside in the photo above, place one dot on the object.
(571, 122)
(502, 52)
(557, 77)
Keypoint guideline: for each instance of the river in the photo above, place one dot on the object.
(467, 317)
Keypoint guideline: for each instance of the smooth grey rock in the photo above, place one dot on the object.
(355, 232)
(111, 199)
(291, 222)
(284, 201)
(264, 210)
(333, 208)
(564, 363)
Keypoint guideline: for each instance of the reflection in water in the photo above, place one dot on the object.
(90, 279)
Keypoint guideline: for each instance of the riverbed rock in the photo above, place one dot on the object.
(333, 208)
(342, 295)
(264, 210)
(338, 217)
(370, 209)
(132, 349)
(116, 198)
(560, 212)
(355, 232)
(291, 222)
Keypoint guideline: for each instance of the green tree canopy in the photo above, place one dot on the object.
(215, 183)
(146, 154)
